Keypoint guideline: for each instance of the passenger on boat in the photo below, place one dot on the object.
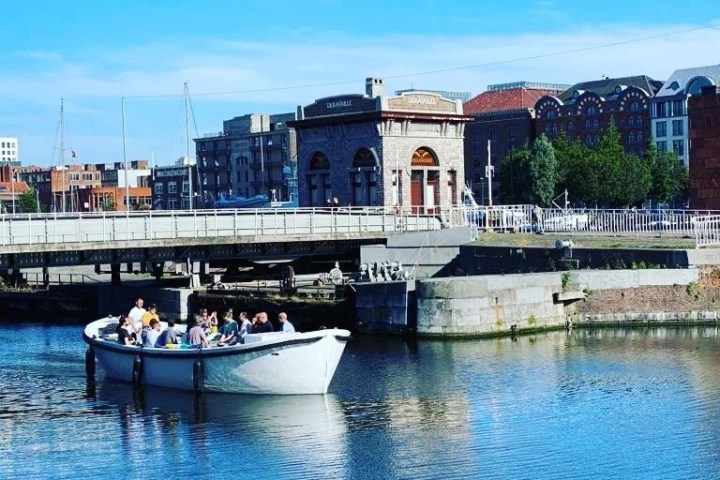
(245, 325)
(207, 320)
(263, 325)
(169, 335)
(286, 325)
(126, 335)
(228, 331)
(146, 320)
(196, 335)
(136, 315)
(153, 333)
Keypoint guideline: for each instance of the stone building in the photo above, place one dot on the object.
(504, 116)
(704, 126)
(586, 109)
(375, 150)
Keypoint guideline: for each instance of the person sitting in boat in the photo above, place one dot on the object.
(285, 323)
(169, 335)
(196, 335)
(207, 320)
(146, 320)
(153, 333)
(126, 335)
(229, 332)
(245, 325)
(263, 325)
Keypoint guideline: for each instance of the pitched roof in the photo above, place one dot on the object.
(683, 76)
(606, 87)
(498, 100)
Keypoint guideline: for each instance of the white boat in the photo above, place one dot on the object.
(266, 363)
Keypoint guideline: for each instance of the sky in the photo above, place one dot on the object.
(241, 57)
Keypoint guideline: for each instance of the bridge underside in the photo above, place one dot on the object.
(250, 252)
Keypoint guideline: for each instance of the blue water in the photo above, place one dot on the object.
(615, 404)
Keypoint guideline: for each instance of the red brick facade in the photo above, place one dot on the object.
(704, 130)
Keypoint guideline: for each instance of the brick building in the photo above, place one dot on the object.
(704, 126)
(504, 115)
(404, 150)
(586, 109)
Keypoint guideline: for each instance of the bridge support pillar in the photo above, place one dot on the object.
(98, 269)
(194, 271)
(157, 270)
(46, 277)
(129, 267)
(115, 274)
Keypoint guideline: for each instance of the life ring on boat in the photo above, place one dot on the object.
(90, 362)
(198, 375)
(137, 370)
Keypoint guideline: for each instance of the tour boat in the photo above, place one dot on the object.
(279, 363)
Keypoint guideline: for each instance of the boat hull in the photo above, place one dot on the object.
(278, 363)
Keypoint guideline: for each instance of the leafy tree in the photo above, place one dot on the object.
(575, 172)
(28, 202)
(669, 176)
(514, 177)
(543, 171)
(108, 204)
(609, 157)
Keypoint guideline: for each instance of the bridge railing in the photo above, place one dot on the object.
(176, 224)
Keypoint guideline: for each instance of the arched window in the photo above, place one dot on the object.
(639, 137)
(591, 111)
(423, 157)
(635, 106)
(596, 124)
(363, 178)
(631, 137)
(696, 85)
(570, 127)
(318, 180)
(550, 114)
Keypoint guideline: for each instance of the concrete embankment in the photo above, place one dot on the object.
(500, 304)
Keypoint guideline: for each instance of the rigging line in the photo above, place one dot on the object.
(443, 70)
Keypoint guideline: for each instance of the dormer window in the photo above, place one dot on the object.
(674, 86)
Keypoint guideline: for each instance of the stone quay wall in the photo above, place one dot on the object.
(493, 304)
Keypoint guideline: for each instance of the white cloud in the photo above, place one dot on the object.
(324, 64)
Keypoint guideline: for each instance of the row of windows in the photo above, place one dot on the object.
(7, 144)
(172, 187)
(674, 108)
(592, 110)
(635, 138)
(661, 128)
(9, 152)
(678, 146)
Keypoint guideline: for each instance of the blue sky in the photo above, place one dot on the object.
(95, 53)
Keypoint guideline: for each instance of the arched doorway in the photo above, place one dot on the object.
(424, 181)
(363, 178)
(318, 180)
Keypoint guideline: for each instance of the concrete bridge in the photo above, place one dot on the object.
(199, 236)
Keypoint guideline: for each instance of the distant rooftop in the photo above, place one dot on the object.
(462, 96)
(529, 85)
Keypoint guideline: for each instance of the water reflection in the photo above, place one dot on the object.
(309, 430)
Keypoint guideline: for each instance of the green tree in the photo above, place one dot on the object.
(514, 177)
(669, 176)
(543, 170)
(28, 202)
(108, 204)
(575, 172)
(608, 161)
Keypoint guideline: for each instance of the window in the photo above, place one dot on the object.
(550, 114)
(570, 127)
(639, 137)
(677, 127)
(159, 188)
(635, 106)
(678, 108)
(591, 111)
(660, 129)
(662, 146)
(660, 110)
(172, 204)
(631, 137)
(679, 147)
(185, 186)
(172, 187)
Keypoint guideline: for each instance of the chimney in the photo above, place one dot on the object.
(374, 87)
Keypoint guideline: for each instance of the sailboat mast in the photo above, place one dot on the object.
(62, 150)
(187, 146)
(125, 160)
